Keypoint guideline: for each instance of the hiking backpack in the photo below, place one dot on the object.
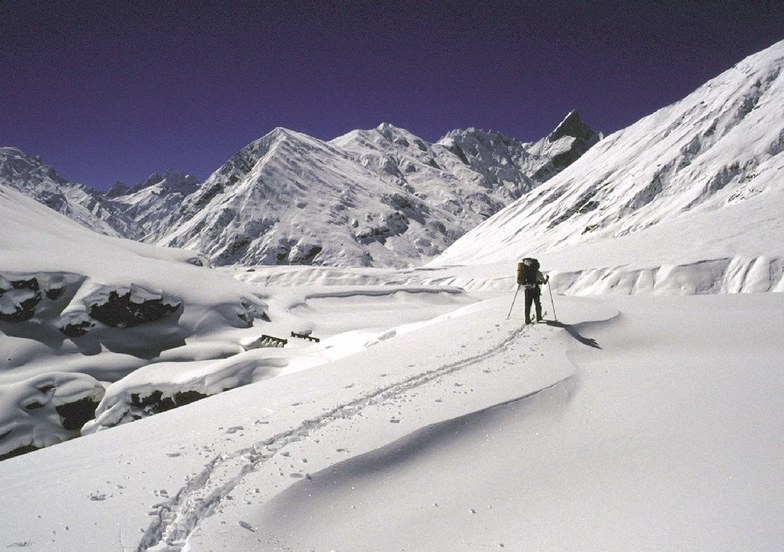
(527, 269)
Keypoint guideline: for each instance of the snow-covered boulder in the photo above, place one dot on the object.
(45, 410)
(18, 299)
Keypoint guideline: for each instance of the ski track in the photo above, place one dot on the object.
(176, 519)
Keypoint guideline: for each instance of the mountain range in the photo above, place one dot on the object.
(380, 197)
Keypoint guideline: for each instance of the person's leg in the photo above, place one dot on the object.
(538, 302)
(529, 298)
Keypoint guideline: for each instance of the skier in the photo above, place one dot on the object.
(530, 278)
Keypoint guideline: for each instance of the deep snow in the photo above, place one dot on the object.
(634, 423)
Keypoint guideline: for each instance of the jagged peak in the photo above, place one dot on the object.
(170, 180)
(118, 189)
(573, 126)
(383, 136)
(397, 134)
(389, 127)
(384, 131)
(474, 134)
(10, 152)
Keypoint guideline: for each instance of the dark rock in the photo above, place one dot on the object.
(77, 328)
(156, 403)
(74, 415)
(573, 126)
(584, 138)
(54, 293)
(128, 308)
(117, 190)
(23, 295)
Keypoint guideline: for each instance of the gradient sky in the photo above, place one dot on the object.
(107, 91)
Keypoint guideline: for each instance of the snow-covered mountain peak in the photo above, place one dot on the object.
(385, 137)
(30, 175)
(169, 181)
(490, 137)
(118, 189)
(400, 136)
(9, 151)
(380, 196)
(276, 136)
(241, 163)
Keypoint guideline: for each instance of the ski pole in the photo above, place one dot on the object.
(513, 302)
(551, 299)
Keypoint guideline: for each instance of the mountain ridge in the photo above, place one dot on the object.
(394, 198)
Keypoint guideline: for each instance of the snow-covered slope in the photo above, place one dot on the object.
(460, 433)
(708, 172)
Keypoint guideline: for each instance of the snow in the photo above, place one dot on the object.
(646, 415)
(638, 422)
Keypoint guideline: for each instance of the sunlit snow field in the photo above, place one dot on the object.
(433, 422)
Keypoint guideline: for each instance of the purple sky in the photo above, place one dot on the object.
(107, 91)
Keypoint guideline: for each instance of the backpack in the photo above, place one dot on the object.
(527, 269)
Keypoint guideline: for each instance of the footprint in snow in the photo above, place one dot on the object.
(246, 525)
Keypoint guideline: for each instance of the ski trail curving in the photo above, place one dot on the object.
(174, 521)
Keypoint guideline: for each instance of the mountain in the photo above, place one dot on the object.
(380, 197)
(122, 211)
(711, 161)
(149, 203)
(292, 199)
(31, 176)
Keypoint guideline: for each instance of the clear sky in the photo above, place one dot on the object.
(106, 91)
